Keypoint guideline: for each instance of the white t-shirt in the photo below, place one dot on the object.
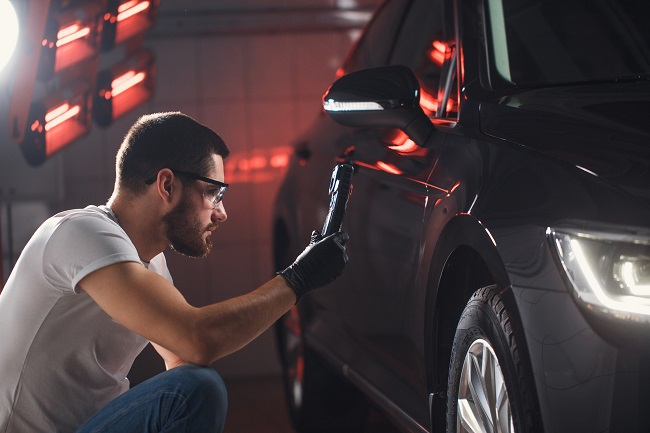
(62, 357)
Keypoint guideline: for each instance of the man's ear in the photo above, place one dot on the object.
(165, 185)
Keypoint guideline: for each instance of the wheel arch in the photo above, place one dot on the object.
(465, 259)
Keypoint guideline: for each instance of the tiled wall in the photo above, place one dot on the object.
(258, 91)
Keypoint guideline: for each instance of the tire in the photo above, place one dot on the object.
(490, 387)
(318, 399)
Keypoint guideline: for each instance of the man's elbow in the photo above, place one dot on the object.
(204, 348)
(202, 360)
(199, 351)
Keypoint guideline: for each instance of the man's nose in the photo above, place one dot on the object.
(219, 213)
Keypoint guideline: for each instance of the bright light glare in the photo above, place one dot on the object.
(8, 31)
(127, 10)
(71, 33)
(126, 81)
(332, 105)
(62, 116)
(630, 276)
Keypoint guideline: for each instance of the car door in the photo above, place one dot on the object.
(374, 303)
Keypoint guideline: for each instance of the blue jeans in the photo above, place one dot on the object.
(188, 398)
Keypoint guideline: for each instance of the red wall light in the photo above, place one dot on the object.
(57, 121)
(124, 87)
(71, 35)
(125, 19)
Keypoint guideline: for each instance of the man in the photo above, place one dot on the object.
(92, 288)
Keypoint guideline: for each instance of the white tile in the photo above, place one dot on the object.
(189, 107)
(239, 229)
(317, 56)
(80, 192)
(176, 69)
(308, 110)
(113, 136)
(84, 157)
(221, 68)
(229, 120)
(264, 198)
(269, 67)
(26, 217)
(271, 123)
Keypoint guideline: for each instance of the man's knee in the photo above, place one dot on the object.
(207, 395)
(204, 385)
(211, 385)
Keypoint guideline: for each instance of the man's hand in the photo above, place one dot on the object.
(319, 264)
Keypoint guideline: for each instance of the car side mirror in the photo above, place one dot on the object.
(383, 97)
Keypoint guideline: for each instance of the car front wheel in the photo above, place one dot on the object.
(490, 388)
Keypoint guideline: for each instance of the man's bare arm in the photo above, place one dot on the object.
(152, 307)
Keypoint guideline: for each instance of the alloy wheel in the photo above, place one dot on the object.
(483, 404)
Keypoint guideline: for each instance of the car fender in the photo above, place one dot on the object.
(461, 258)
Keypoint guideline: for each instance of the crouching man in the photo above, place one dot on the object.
(91, 289)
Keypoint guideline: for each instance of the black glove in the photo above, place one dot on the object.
(319, 264)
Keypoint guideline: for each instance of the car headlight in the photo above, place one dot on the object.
(609, 272)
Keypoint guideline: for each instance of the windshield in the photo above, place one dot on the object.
(542, 42)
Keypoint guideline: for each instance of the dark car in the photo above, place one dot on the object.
(499, 222)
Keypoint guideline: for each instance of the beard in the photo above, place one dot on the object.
(185, 232)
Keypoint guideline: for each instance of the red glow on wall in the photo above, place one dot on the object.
(280, 160)
(257, 162)
(258, 165)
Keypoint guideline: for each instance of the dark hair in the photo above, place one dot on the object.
(165, 140)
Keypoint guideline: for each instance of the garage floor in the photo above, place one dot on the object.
(258, 405)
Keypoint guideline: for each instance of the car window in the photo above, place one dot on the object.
(426, 45)
(547, 42)
(375, 44)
